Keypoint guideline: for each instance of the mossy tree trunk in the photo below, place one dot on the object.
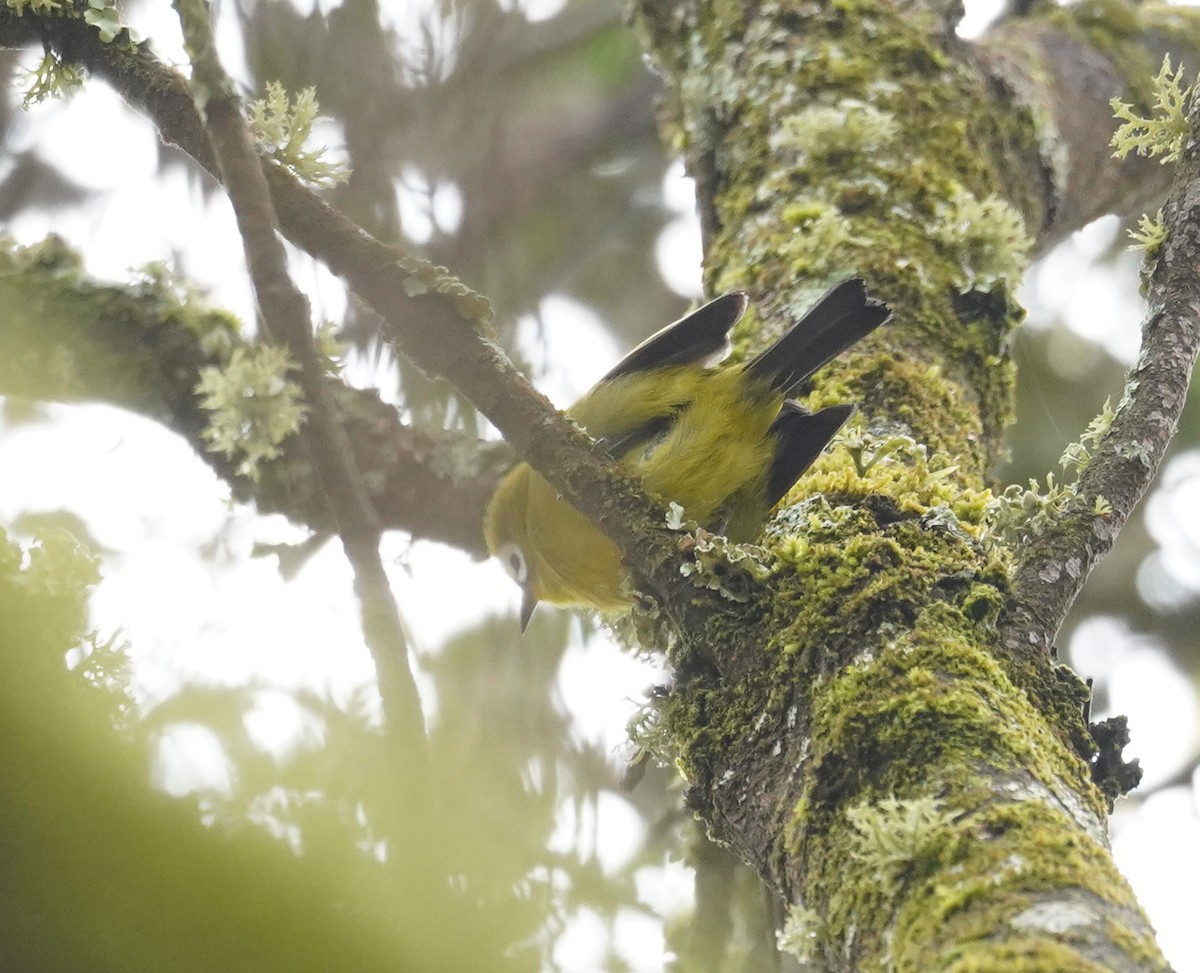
(883, 733)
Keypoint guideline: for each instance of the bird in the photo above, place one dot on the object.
(723, 440)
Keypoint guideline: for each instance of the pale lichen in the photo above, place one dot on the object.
(1020, 514)
(986, 236)
(801, 934)
(1161, 133)
(824, 131)
(732, 570)
(52, 78)
(422, 277)
(253, 404)
(283, 125)
(1149, 234)
(891, 834)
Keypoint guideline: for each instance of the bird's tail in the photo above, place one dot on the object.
(843, 316)
(802, 436)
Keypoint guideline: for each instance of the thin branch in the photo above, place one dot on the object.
(1053, 569)
(287, 320)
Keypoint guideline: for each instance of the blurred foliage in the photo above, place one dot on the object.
(104, 872)
(526, 159)
(294, 865)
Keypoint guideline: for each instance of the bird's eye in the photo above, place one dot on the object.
(513, 559)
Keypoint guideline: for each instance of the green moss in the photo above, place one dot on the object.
(1019, 955)
(1001, 861)
(920, 399)
(965, 886)
(1137, 945)
(797, 202)
(926, 717)
(902, 704)
(840, 578)
(709, 721)
(840, 571)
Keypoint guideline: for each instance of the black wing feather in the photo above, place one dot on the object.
(802, 436)
(843, 316)
(701, 336)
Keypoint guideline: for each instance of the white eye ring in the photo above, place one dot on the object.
(513, 559)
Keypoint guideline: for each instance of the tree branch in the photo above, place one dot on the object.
(1055, 67)
(1052, 570)
(286, 317)
(427, 327)
(876, 699)
(70, 338)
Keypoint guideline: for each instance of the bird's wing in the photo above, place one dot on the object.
(700, 337)
(623, 411)
(637, 437)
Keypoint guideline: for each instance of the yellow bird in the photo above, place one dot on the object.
(726, 443)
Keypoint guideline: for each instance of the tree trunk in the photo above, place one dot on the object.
(921, 788)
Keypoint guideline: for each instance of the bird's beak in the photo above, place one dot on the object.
(528, 603)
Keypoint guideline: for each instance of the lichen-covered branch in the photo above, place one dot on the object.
(1065, 65)
(144, 347)
(1053, 568)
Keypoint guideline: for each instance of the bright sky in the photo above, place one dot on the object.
(157, 509)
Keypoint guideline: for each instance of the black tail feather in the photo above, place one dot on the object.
(802, 436)
(843, 316)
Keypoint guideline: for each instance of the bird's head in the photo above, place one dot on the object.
(550, 549)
